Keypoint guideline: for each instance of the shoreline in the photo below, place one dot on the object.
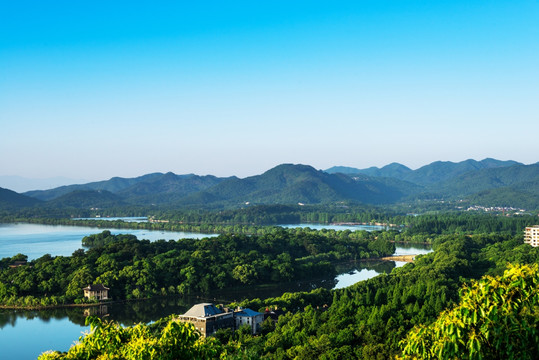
(48, 307)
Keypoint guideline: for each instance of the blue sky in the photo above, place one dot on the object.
(91, 90)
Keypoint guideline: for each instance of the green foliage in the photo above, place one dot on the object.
(369, 319)
(104, 238)
(365, 321)
(108, 340)
(134, 269)
(497, 318)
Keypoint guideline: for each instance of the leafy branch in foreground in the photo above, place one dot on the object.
(108, 340)
(497, 318)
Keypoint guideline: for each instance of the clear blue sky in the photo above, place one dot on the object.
(98, 89)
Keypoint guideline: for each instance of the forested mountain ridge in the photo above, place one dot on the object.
(439, 171)
(284, 184)
(87, 199)
(393, 170)
(288, 184)
(146, 189)
(429, 174)
(472, 182)
(168, 188)
(489, 183)
(113, 185)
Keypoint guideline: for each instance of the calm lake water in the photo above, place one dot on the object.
(36, 240)
(125, 219)
(26, 334)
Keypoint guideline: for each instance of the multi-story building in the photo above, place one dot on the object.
(531, 235)
(248, 317)
(207, 318)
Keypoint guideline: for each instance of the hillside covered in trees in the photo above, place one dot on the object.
(386, 316)
(135, 269)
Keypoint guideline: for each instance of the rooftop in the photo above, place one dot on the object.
(203, 310)
(96, 287)
(247, 312)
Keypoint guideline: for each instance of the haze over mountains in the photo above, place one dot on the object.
(21, 184)
(488, 182)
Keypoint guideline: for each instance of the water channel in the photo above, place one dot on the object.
(25, 334)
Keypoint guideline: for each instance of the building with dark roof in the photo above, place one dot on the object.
(207, 318)
(96, 291)
(248, 317)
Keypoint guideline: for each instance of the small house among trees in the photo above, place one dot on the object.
(96, 291)
(18, 263)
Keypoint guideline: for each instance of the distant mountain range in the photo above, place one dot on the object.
(156, 188)
(435, 172)
(488, 182)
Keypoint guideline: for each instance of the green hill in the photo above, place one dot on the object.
(11, 200)
(86, 199)
(112, 185)
(521, 177)
(156, 188)
(440, 171)
(432, 173)
(167, 188)
(292, 184)
(393, 170)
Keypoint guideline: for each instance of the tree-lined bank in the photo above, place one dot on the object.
(134, 268)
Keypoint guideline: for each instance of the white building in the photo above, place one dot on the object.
(249, 317)
(531, 235)
(96, 291)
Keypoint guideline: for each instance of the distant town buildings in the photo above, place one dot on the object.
(497, 209)
(208, 318)
(531, 235)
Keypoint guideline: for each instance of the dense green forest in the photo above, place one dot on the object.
(374, 319)
(134, 268)
(380, 318)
